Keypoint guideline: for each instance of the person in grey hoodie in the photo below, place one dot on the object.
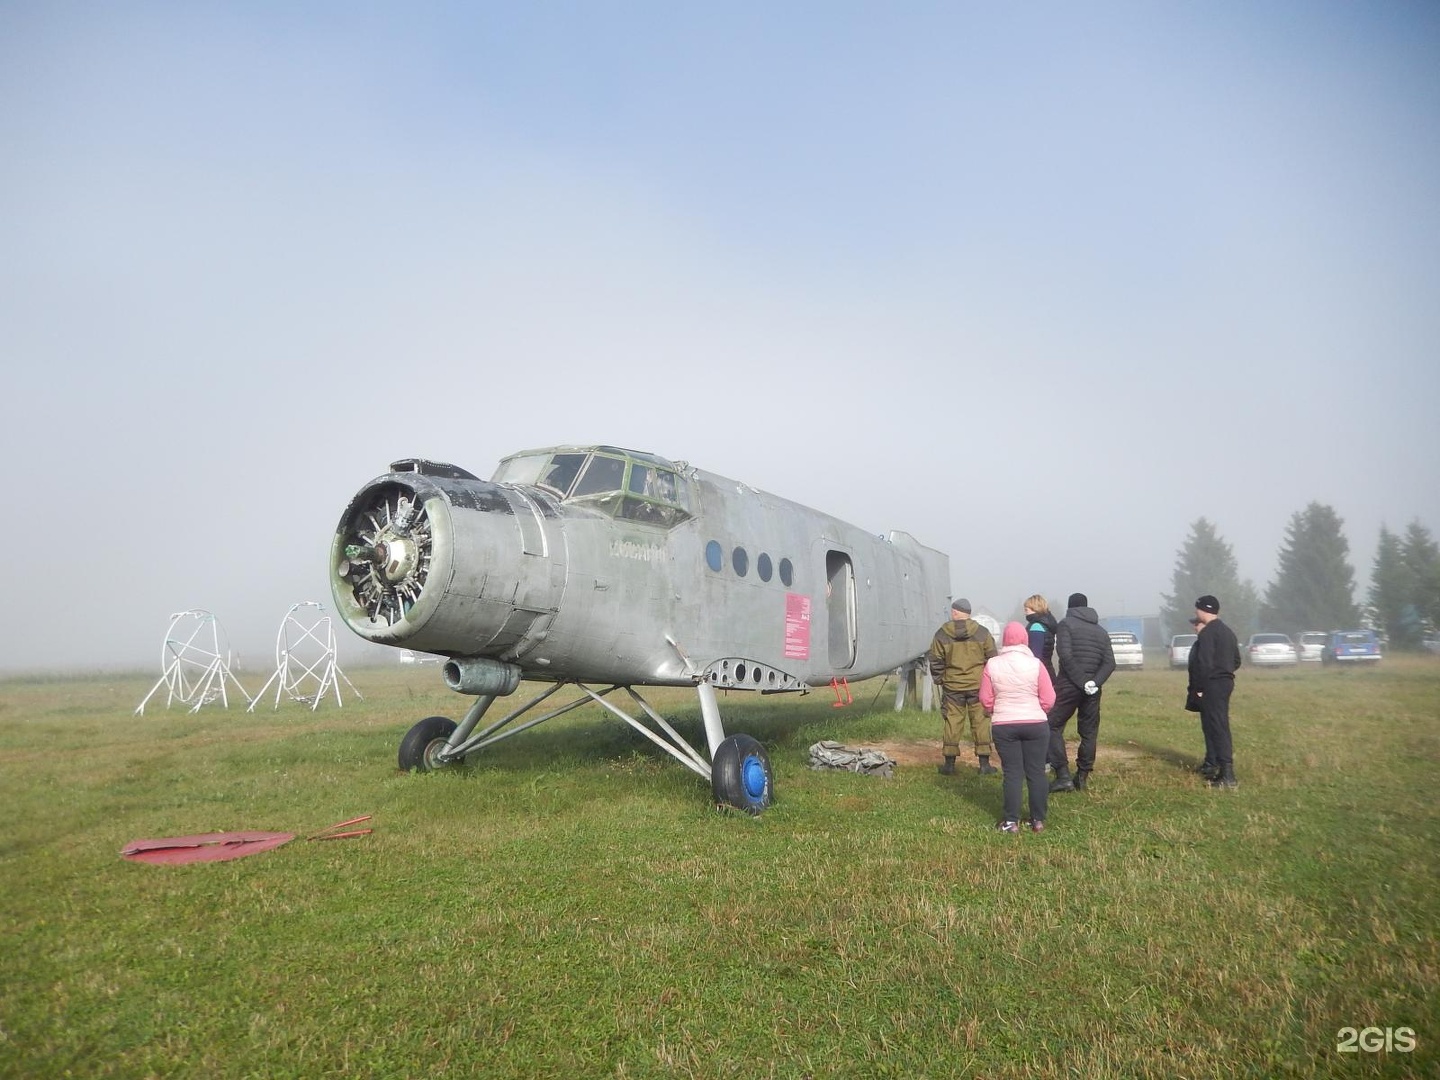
(1086, 661)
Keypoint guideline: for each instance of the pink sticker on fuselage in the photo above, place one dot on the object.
(797, 627)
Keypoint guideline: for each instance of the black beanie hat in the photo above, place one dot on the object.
(1078, 599)
(1208, 603)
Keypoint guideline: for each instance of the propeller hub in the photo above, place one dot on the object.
(398, 557)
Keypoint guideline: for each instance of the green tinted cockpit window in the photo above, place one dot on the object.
(561, 472)
(636, 488)
(659, 484)
(655, 495)
(651, 513)
(602, 475)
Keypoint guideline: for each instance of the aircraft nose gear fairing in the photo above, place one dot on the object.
(739, 770)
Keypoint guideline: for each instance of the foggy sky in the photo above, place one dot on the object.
(1039, 284)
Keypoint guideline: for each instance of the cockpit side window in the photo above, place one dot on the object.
(655, 496)
(653, 483)
(659, 484)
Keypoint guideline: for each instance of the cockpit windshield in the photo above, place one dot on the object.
(521, 469)
(602, 475)
(631, 486)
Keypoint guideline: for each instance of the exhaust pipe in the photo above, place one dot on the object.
(481, 676)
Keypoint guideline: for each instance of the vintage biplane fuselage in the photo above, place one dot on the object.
(601, 565)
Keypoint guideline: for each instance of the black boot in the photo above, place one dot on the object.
(1208, 769)
(986, 769)
(1062, 781)
(948, 769)
(1226, 778)
(1082, 779)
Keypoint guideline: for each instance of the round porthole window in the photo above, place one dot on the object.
(714, 556)
(740, 560)
(787, 573)
(764, 567)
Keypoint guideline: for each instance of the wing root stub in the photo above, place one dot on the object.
(740, 673)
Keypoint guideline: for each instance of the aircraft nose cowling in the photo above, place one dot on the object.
(458, 566)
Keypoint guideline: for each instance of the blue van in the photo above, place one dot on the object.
(1351, 646)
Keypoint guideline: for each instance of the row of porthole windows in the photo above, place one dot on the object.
(740, 561)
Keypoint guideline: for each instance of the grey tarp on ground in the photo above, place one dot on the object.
(864, 759)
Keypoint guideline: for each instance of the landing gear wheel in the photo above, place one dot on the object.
(423, 742)
(740, 775)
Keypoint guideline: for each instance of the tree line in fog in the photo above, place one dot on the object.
(1314, 583)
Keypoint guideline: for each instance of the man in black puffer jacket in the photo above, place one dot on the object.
(1086, 661)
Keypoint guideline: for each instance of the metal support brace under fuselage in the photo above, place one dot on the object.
(466, 740)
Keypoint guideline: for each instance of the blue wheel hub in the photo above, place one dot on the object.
(752, 775)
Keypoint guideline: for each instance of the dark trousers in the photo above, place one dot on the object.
(1215, 720)
(1069, 700)
(1022, 749)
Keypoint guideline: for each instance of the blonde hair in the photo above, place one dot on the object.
(1038, 602)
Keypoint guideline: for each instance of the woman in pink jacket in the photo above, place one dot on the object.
(1016, 690)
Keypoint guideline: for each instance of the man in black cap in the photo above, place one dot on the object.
(957, 660)
(1087, 659)
(1206, 768)
(1214, 659)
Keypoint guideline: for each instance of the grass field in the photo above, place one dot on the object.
(572, 906)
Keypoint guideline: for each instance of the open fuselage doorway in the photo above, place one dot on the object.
(840, 609)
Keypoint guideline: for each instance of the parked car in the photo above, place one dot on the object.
(1128, 651)
(1271, 650)
(1352, 646)
(1311, 644)
(1180, 649)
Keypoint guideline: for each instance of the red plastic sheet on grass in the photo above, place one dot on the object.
(206, 847)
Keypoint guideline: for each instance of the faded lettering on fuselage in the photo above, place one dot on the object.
(632, 549)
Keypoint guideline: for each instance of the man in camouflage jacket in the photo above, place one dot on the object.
(957, 659)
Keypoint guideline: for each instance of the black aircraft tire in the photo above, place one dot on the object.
(417, 749)
(740, 775)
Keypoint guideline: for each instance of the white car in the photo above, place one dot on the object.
(1127, 648)
(1180, 650)
(1271, 650)
(1311, 645)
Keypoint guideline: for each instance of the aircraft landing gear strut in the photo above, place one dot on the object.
(738, 770)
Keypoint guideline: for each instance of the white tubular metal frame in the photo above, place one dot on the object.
(306, 668)
(194, 663)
